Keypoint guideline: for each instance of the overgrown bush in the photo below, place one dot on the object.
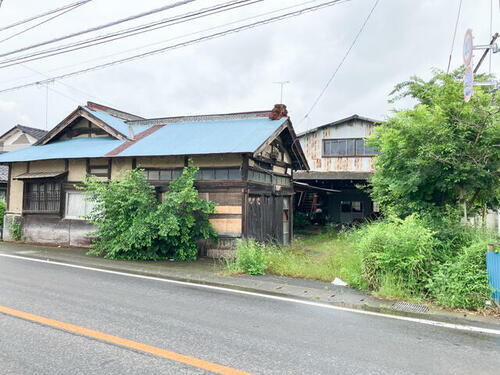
(15, 228)
(250, 258)
(451, 235)
(3, 207)
(462, 282)
(133, 224)
(402, 248)
(434, 258)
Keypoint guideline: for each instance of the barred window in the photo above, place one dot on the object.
(42, 197)
(258, 176)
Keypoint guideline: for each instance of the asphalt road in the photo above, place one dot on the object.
(247, 333)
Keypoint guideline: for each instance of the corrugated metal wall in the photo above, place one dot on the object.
(493, 266)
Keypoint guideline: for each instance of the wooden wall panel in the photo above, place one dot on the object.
(224, 226)
(228, 209)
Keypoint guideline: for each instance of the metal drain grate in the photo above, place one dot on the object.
(409, 307)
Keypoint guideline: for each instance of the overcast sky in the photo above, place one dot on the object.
(236, 73)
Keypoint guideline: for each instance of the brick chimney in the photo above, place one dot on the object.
(278, 112)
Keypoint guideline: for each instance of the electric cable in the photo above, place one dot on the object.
(40, 23)
(101, 57)
(182, 44)
(125, 33)
(454, 36)
(341, 62)
(100, 27)
(17, 23)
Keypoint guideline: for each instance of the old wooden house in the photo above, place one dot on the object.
(340, 160)
(246, 163)
(16, 138)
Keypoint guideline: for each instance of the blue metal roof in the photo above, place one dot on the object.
(187, 138)
(115, 123)
(71, 149)
(208, 137)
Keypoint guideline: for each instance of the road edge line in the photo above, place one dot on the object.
(262, 294)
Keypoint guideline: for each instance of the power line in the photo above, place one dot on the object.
(257, 16)
(341, 62)
(125, 33)
(100, 27)
(41, 23)
(183, 44)
(454, 36)
(65, 84)
(78, 3)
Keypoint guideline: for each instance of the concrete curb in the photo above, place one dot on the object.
(443, 317)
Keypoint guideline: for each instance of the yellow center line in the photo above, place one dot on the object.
(195, 362)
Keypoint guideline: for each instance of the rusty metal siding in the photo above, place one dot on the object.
(312, 144)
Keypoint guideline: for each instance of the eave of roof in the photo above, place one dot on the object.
(39, 175)
(75, 148)
(338, 122)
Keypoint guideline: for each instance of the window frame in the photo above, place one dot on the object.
(66, 205)
(355, 142)
(105, 168)
(57, 183)
(351, 205)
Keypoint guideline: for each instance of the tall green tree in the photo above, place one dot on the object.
(441, 153)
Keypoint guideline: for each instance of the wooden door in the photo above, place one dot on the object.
(265, 218)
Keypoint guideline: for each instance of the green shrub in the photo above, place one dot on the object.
(463, 282)
(133, 224)
(15, 228)
(3, 207)
(250, 258)
(450, 234)
(300, 220)
(402, 248)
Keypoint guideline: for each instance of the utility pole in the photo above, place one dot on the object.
(281, 83)
(46, 102)
(492, 48)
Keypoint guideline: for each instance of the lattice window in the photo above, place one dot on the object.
(42, 197)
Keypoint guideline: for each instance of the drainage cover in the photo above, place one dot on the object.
(409, 307)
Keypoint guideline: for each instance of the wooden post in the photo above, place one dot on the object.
(110, 166)
(9, 185)
(491, 247)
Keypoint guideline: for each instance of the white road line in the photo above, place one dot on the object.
(460, 327)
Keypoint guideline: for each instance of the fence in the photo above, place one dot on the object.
(493, 267)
